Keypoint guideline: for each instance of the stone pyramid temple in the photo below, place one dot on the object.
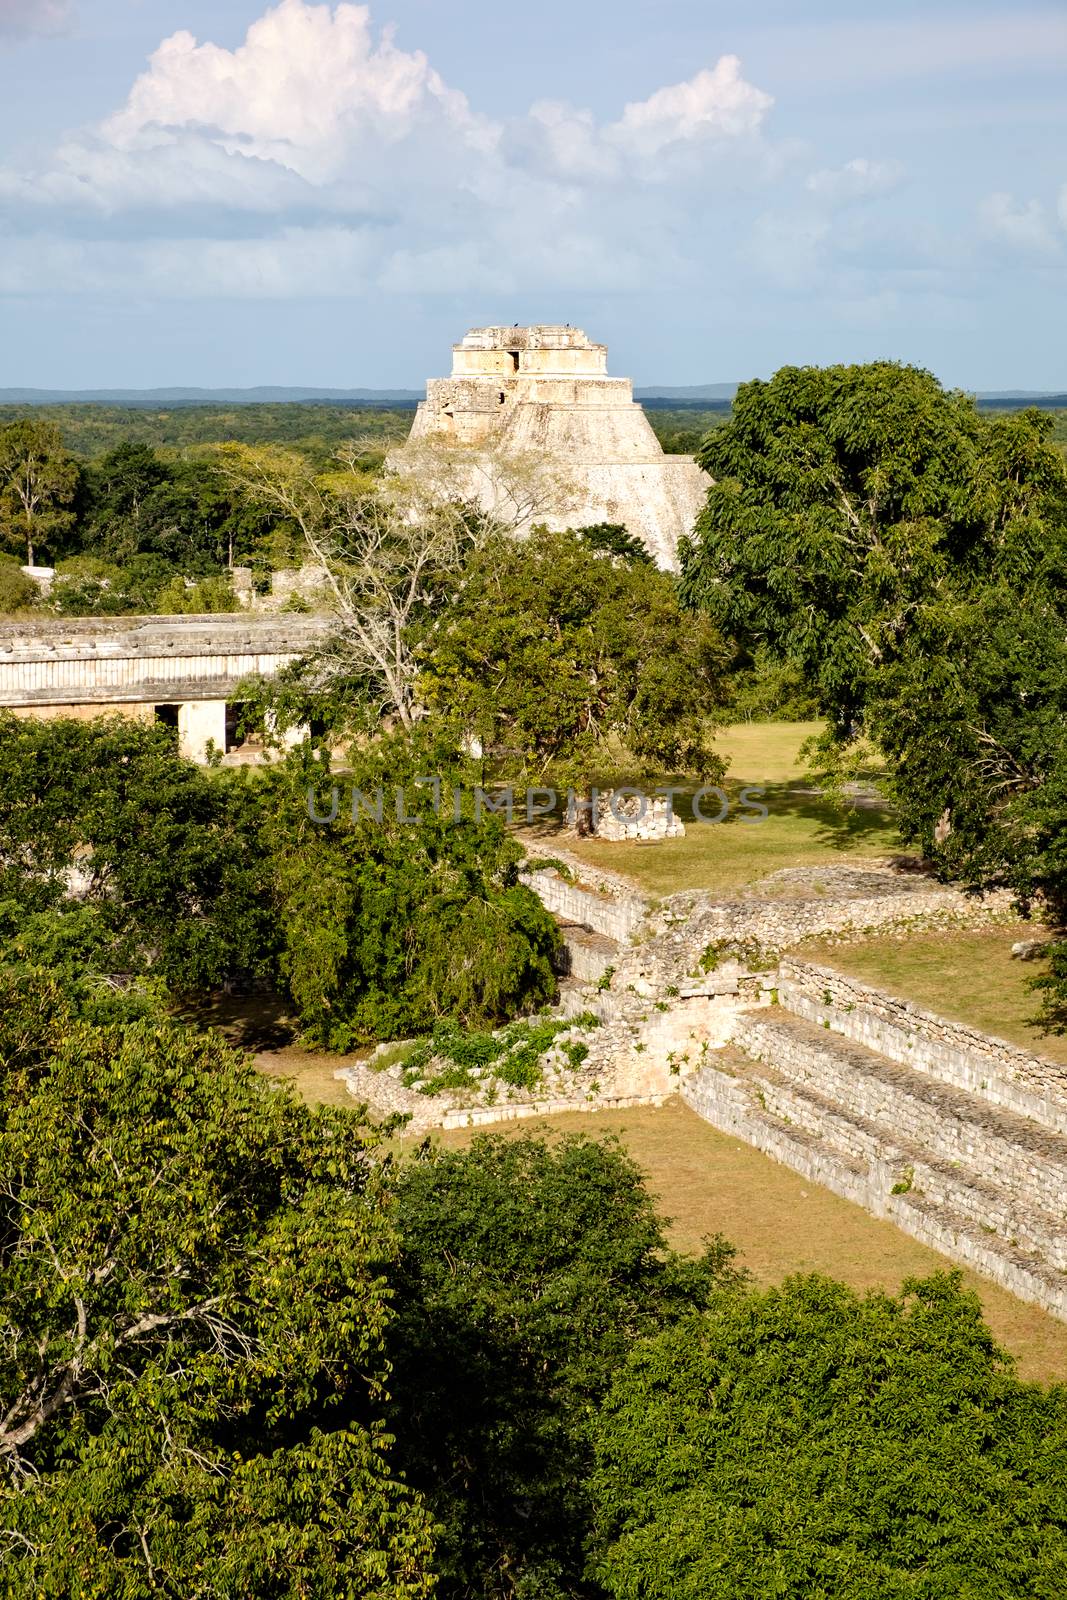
(543, 394)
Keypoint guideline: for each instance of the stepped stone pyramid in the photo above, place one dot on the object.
(543, 393)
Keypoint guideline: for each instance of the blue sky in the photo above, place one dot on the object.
(243, 193)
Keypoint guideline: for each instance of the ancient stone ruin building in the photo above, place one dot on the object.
(543, 394)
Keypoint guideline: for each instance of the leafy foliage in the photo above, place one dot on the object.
(511, 1055)
(908, 555)
(807, 1441)
(194, 1304)
(527, 1272)
(116, 857)
(390, 927)
(18, 592)
(38, 483)
(553, 655)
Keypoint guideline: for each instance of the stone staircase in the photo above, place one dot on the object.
(971, 1177)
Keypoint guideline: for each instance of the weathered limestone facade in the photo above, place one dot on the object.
(181, 669)
(958, 1138)
(544, 393)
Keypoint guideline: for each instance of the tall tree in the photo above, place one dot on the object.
(102, 819)
(383, 556)
(193, 1269)
(527, 1273)
(38, 482)
(387, 925)
(909, 556)
(554, 653)
(805, 1441)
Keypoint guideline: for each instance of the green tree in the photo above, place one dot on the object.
(120, 490)
(86, 586)
(140, 502)
(121, 861)
(553, 654)
(38, 483)
(389, 927)
(18, 592)
(180, 597)
(156, 858)
(805, 1441)
(527, 1273)
(908, 555)
(193, 1269)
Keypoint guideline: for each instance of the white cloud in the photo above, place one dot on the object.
(716, 103)
(224, 167)
(308, 87)
(857, 180)
(680, 132)
(1022, 226)
(24, 17)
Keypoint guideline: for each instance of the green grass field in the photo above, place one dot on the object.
(801, 829)
(967, 974)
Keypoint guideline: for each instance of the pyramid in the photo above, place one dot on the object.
(543, 394)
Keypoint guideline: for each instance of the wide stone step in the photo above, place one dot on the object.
(950, 1052)
(950, 1125)
(905, 1167)
(737, 1102)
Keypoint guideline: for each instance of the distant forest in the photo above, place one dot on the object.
(91, 430)
(317, 428)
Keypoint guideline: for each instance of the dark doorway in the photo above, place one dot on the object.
(168, 716)
(244, 725)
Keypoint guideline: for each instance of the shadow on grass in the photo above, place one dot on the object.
(255, 1022)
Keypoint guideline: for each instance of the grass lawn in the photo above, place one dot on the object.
(707, 1182)
(727, 857)
(764, 752)
(967, 974)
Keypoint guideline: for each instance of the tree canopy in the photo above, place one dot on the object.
(38, 483)
(804, 1440)
(120, 860)
(390, 926)
(553, 651)
(909, 555)
(194, 1272)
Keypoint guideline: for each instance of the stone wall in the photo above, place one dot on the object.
(951, 1127)
(958, 1137)
(721, 1099)
(598, 901)
(636, 816)
(701, 921)
(1000, 1072)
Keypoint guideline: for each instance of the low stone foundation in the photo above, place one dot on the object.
(1000, 1072)
(636, 816)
